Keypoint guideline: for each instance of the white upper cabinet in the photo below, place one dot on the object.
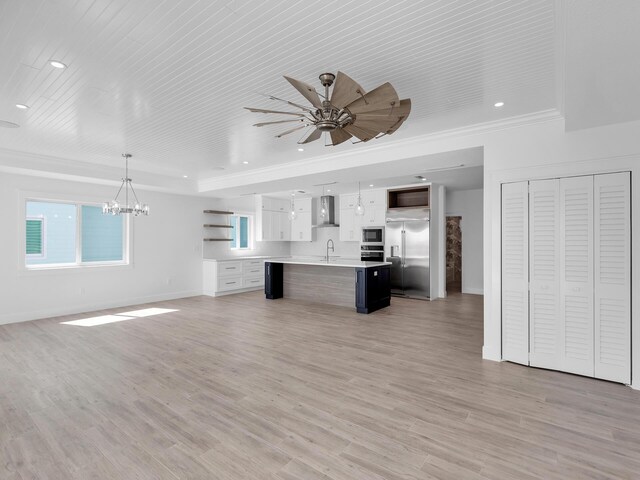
(272, 221)
(374, 199)
(301, 227)
(348, 201)
(350, 223)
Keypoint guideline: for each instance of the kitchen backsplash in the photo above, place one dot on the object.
(319, 245)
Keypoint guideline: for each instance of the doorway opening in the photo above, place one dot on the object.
(454, 254)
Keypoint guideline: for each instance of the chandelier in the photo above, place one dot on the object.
(115, 208)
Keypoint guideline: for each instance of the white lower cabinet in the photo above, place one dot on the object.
(230, 276)
(566, 275)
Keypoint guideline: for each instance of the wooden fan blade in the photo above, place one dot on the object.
(396, 126)
(345, 91)
(378, 124)
(401, 110)
(381, 98)
(261, 110)
(315, 135)
(279, 121)
(306, 90)
(292, 130)
(361, 133)
(339, 135)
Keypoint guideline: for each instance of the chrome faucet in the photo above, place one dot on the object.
(333, 249)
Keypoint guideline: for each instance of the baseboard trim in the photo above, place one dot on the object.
(489, 353)
(85, 308)
(473, 291)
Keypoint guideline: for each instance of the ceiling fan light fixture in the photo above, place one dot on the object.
(345, 113)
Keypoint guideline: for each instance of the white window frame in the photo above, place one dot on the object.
(78, 263)
(250, 233)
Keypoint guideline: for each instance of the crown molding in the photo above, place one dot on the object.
(57, 168)
(371, 154)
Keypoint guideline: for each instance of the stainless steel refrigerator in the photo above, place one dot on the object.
(407, 248)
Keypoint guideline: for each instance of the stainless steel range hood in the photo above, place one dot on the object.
(329, 219)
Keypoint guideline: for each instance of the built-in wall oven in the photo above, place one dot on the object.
(372, 244)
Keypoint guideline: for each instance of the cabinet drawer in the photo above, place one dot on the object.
(229, 269)
(253, 282)
(253, 271)
(252, 263)
(229, 283)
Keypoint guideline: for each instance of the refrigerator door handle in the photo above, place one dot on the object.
(403, 248)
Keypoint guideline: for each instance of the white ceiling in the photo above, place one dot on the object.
(166, 80)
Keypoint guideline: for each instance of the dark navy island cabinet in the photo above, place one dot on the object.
(373, 288)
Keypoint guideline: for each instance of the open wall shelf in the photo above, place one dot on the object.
(217, 225)
(416, 197)
(218, 212)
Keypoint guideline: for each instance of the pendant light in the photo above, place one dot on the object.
(292, 209)
(359, 206)
(323, 205)
(115, 208)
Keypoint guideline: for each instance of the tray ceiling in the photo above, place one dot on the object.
(167, 80)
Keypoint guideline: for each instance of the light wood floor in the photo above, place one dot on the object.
(240, 387)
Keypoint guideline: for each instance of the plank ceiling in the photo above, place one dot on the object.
(167, 80)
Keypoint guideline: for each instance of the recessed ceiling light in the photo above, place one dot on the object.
(245, 162)
(371, 184)
(423, 179)
(22, 106)
(498, 104)
(328, 189)
(185, 176)
(57, 64)
(301, 149)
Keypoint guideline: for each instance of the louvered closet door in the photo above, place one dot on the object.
(515, 272)
(576, 321)
(544, 249)
(613, 277)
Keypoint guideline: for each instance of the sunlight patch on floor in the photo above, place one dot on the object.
(118, 317)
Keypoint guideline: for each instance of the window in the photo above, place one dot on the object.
(240, 232)
(67, 234)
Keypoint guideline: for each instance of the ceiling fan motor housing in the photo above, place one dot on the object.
(327, 79)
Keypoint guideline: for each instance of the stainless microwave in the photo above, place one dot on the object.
(372, 236)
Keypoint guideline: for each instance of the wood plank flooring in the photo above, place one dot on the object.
(239, 387)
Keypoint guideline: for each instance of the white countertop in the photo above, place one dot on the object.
(228, 259)
(333, 262)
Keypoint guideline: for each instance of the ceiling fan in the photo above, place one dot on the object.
(348, 112)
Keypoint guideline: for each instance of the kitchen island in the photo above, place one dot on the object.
(342, 282)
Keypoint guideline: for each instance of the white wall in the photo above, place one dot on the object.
(166, 254)
(468, 205)
(219, 250)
